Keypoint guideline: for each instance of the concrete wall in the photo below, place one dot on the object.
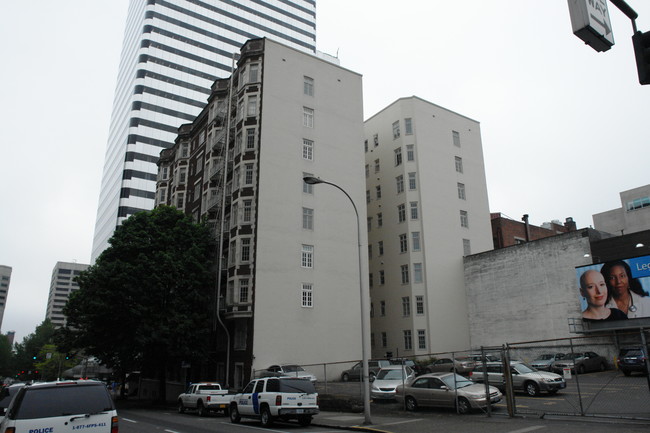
(525, 292)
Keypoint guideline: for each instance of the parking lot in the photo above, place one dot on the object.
(608, 393)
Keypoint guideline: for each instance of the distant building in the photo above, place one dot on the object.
(5, 279)
(290, 282)
(173, 50)
(507, 232)
(11, 335)
(61, 286)
(427, 204)
(633, 216)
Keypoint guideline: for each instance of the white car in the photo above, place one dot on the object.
(61, 407)
(288, 370)
(388, 379)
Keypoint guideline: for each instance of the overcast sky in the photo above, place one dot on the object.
(564, 128)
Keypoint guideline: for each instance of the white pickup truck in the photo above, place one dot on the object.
(205, 397)
(271, 398)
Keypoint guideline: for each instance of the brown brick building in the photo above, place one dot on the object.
(507, 232)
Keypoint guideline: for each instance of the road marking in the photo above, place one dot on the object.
(128, 420)
(527, 429)
(254, 428)
(403, 422)
(171, 431)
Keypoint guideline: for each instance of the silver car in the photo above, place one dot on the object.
(459, 365)
(388, 378)
(580, 362)
(546, 360)
(446, 390)
(524, 378)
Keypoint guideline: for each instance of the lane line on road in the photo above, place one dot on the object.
(403, 422)
(128, 420)
(527, 429)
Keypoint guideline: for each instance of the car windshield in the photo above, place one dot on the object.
(523, 368)
(391, 374)
(292, 368)
(455, 381)
(546, 357)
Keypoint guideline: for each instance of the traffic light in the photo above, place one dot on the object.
(641, 43)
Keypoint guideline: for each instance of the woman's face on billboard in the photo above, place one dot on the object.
(595, 290)
(618, 280)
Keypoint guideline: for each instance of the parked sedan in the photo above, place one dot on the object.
(580, 362)
(544, 362)
(446, 390)
(288, 370)
(524, 378)
(459, 365)
(356, 372)
(388, 378)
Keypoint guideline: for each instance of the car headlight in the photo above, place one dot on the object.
(374, 388)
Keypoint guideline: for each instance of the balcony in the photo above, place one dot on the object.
(239, 311)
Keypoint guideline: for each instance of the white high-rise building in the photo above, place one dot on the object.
(427, 208)
(61, 286)
(5, 279)
(173, 51)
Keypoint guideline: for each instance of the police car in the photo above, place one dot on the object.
(58, 407)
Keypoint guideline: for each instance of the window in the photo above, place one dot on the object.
(253, 73)
(380, 247)
(308, 86)
(408, 126)
(461, 190)
(382, 277)
(378, 191)
(380, 219)
(459, 164)
(398, 156)
(307, 149)
(367, 196)
(401, 213)
(414, 210)
(180, 200)
(238, 140)
(247, 210)
(365, 145)
(399, 180)
(403, 243)
(382, 308)
(375, 139)
(422, 339)
(248, 174)
(412, 182)
(467, 247)
(372, 310)
(415, 241)
(164, 172)
(417, 272)
(245, 249)
(307, 295)
(410, 152)
(404, 271)
(395, 130)
(464, 222)
(376, 166)
(308, 117)
(307, 188)
(243, 290)
(232, 252)
(408, 343)
(235, 177)
(307, 218)
(406, 306)
(307, 260)
(370, 251)
(369, 223)
(419, 305)
(456, 138)
(250, 138)
(182, 176)
(367, 171)
(251, 108)
(384, 340)
(185, 150)
(370, 282)
(163, 195)
(234, 215)
(240, 109)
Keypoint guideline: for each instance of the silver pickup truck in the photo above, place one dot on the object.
(271, 398)
(204, 397)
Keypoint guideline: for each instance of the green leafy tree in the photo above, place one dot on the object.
(27, 351)
(145, 303)
(51, 363)
(6, 357)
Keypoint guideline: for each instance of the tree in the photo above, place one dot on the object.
(6, 357)
(147, 298)
(51, 363)
(27, 351)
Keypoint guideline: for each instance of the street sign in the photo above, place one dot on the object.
(590, 22)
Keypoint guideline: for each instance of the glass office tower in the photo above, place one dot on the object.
(173, 51)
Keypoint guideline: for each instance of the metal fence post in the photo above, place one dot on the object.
(582, 411)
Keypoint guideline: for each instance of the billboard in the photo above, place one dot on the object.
(614, 290)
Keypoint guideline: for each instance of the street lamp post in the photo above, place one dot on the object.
(365, 318)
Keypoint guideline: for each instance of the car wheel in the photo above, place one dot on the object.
(304, 420)
(181, 408)
(531, 388)
(581, 369)
(462, 406)
(265, 417)
(234, 414)
(627, 372)
(603, 367)
(411, 404)
(345, 377)
(202, 411)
